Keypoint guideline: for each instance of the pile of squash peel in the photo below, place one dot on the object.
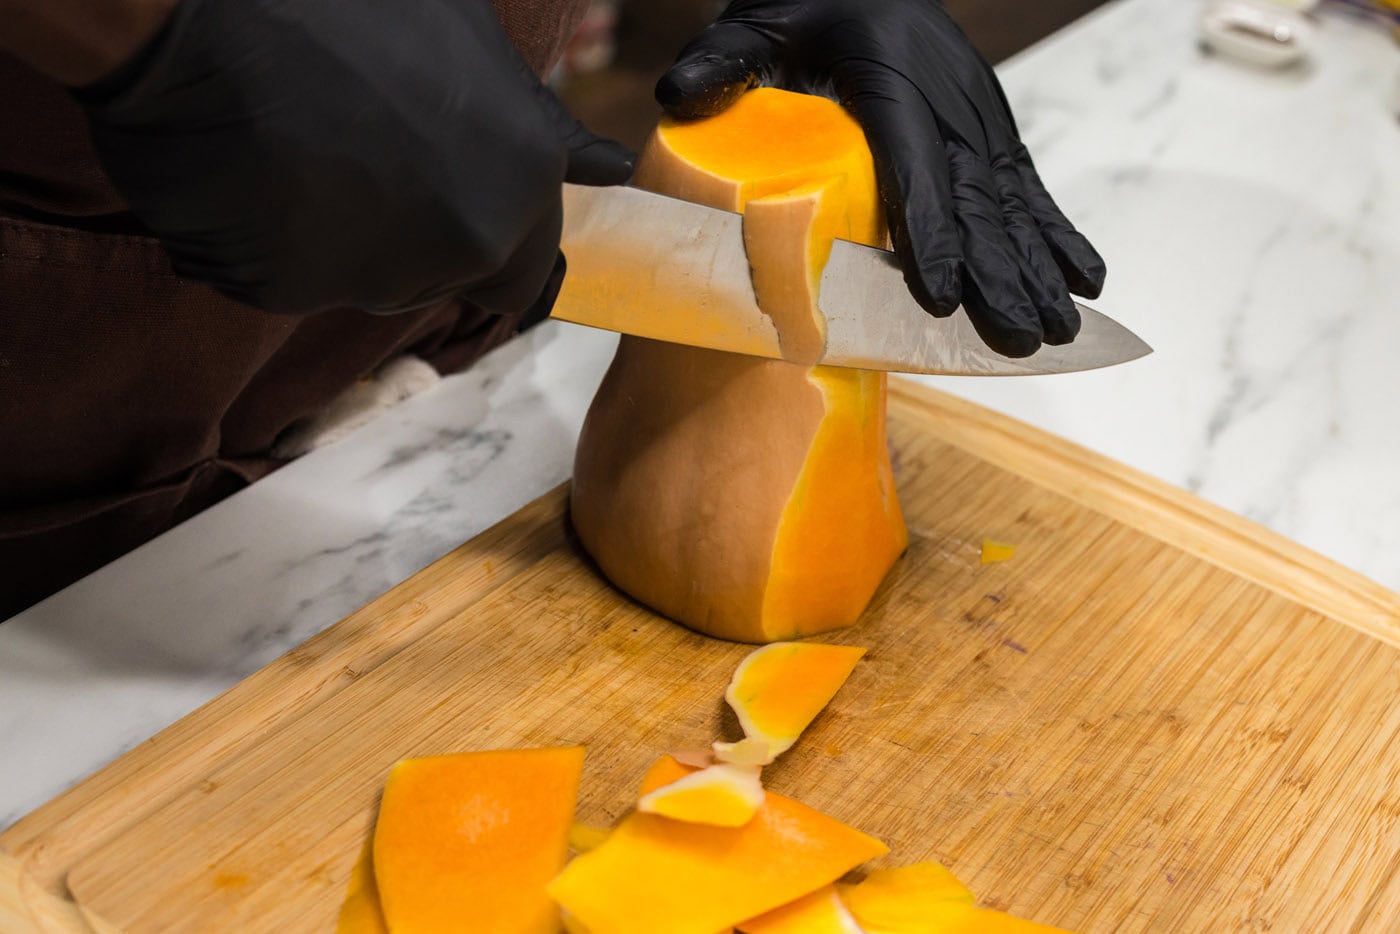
(486, 841)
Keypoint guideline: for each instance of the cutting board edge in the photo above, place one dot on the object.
(1169, 513)
(30, 843)
(27, 908)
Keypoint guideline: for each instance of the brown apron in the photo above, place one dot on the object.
(131, 399)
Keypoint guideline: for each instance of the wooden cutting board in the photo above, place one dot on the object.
(1154, 716)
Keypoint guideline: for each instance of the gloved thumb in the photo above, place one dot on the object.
(593, 159)
(714, 69)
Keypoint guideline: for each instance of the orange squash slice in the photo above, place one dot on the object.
(901, 899)
(819, 912)
(926, 898)
(721, 795)
(750, 499)
(585, 837)
(778, 690)
(468, 842)
(655, 874)
(360, 913)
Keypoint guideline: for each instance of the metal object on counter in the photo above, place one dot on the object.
(1259, 32)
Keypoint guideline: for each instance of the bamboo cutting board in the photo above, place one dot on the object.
(1155, 716)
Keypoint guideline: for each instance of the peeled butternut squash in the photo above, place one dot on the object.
(749, 499)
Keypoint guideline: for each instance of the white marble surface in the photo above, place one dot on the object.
(1251, 224)
(1251, 221)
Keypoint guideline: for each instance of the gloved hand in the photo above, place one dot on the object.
(970, 219)
(303, 154)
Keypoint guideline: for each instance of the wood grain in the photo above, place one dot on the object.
(1155, 716)
(47, 841)
(1160, 509)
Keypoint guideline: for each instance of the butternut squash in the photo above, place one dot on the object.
(749, 499)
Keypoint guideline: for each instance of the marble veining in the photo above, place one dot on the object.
(1251, 224)
(1251, 221)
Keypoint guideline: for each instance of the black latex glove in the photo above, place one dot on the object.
(970, 219)
(303, 154)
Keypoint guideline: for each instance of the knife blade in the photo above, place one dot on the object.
(670, 270)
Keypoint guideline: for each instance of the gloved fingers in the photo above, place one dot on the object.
(911, 167)
(593, 159)
(1083, 268)
(523, 277)
(993, 294)
(540, 308)
(599, 161)
(714, 69)
(1040, 276)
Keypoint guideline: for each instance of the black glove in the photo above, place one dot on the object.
(970, 219)
(304, 154)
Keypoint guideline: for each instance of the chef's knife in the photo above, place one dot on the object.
(670, 270)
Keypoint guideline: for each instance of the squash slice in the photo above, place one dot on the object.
(655, 874)
(820, 912)
(360, 912)
(468, 842)
(925, 898)
(720, 795)
(778, 690)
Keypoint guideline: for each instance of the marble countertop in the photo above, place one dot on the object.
(1251, 223)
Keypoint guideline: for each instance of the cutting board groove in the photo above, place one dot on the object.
(1155, 716)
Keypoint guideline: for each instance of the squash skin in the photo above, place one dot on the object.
(659, 465)
(749, 499)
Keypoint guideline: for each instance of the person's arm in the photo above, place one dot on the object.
(307, 154)
(78, 41)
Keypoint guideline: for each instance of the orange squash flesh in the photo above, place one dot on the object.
(750, 499)
(819, 912)
(925, 898)
(720, 795)
(778, 690)
(584, 837)
(792, 232)
(468, 842)
(654, 874)
(900, 900)
(360, 912)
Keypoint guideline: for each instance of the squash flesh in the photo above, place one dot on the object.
(720, 795)
(469, 841)
(769, 142)
(749, 499)
(776, 693)
(655, 874)
(820, 912)
(843, 514)
(360, 912)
